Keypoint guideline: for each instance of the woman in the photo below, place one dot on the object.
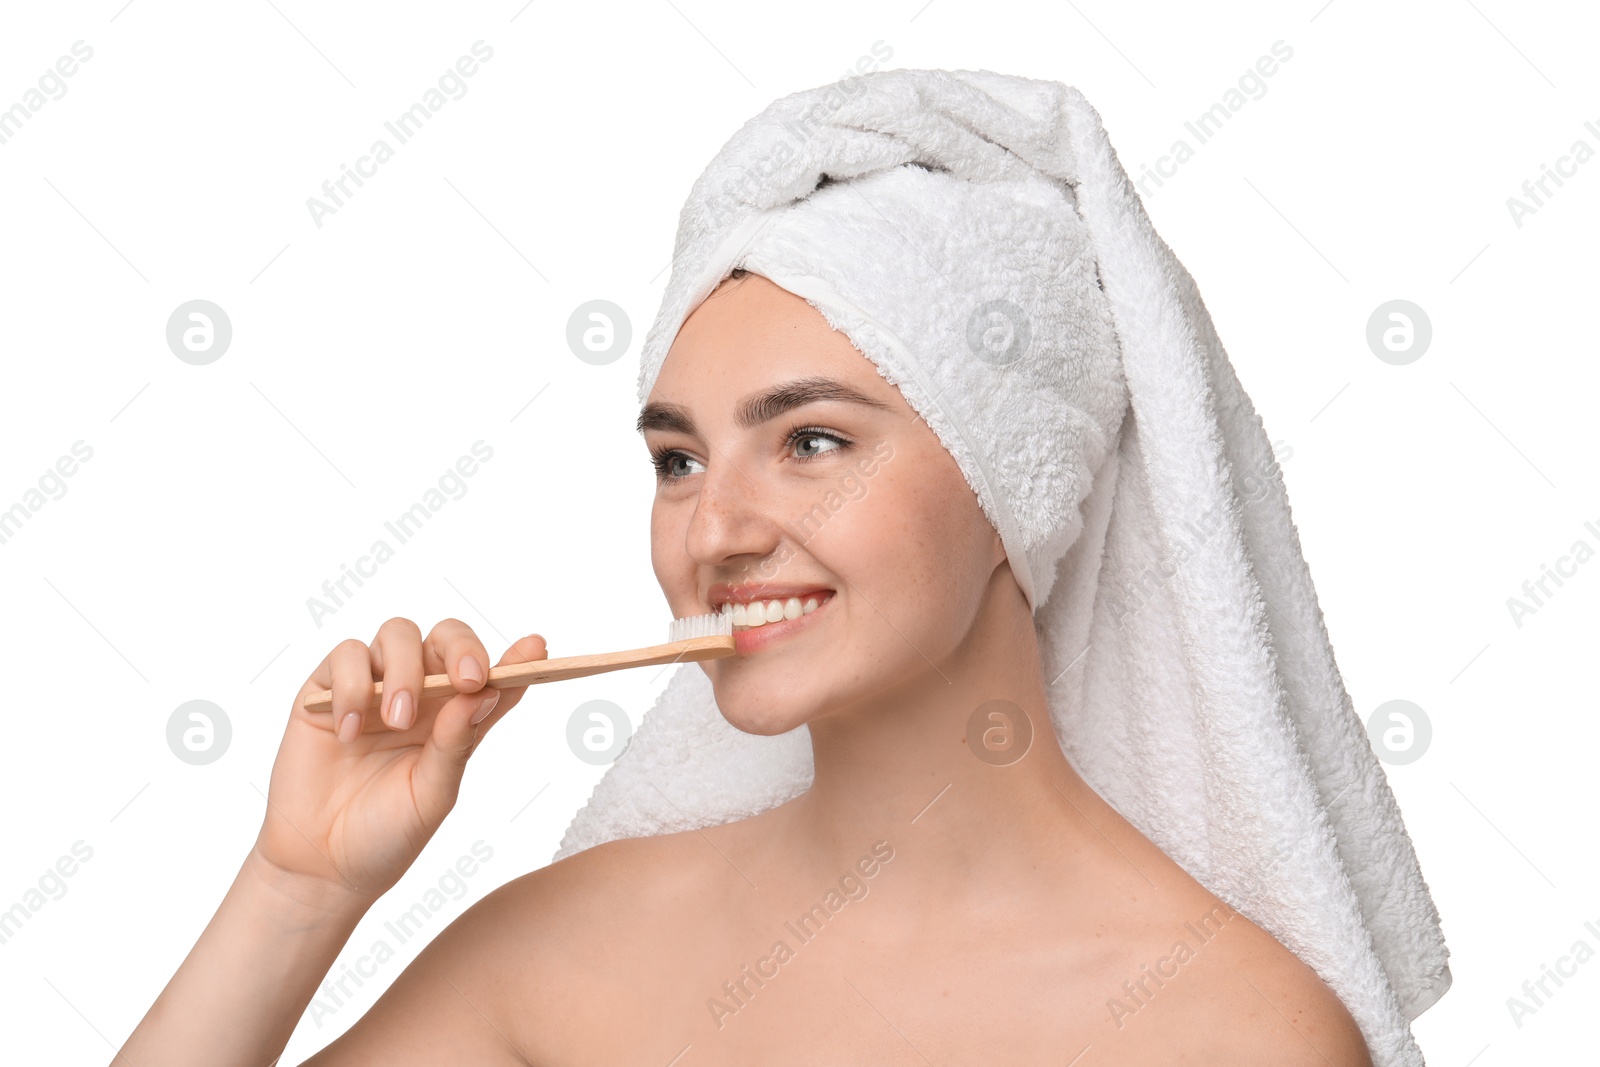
(964, 950)
(976, 910)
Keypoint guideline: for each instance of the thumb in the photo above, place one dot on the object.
(436, 781)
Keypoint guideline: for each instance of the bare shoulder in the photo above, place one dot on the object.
(529, 973)
(1285, 1014)
(1200, 977)
(1220, 985)
(569, 939)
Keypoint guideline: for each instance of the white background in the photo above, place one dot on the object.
(368, 354)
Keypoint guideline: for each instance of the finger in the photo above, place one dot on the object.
(350, 664)
(452, 648)
(397, 659)
(528, 648)
(454, 738)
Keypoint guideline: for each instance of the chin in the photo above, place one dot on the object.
(755, 708)
(763, 719)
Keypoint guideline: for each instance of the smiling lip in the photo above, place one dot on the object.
(724, 592)
(748, 641)
(745, 641)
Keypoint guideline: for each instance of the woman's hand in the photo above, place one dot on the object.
(355, 795)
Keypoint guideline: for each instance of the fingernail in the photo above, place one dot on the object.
(470, 669)
(485, 708)
(400, 711)
(349, 726)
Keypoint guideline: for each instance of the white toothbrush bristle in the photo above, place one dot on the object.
(713, 625)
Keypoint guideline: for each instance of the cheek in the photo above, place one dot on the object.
(916, 545)
(669, 556)
(658, 543)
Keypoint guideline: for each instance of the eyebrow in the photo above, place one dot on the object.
(757, 408)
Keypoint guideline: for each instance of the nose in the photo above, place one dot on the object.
(733, 518)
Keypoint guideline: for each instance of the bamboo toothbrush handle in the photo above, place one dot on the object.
(555, 670)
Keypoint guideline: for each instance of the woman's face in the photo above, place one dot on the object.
(787, 466)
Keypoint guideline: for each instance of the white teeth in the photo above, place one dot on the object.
(760, 612)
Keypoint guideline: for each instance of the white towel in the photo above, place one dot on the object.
(1130, 479)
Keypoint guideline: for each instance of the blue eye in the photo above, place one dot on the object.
(663, 460)
(807, 432)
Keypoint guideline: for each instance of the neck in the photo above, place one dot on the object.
(932, 768)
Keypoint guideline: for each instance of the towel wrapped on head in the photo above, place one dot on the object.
(976, 238)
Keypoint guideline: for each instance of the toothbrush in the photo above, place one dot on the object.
(694, 637)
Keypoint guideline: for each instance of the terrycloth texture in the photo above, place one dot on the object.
(977, 239)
